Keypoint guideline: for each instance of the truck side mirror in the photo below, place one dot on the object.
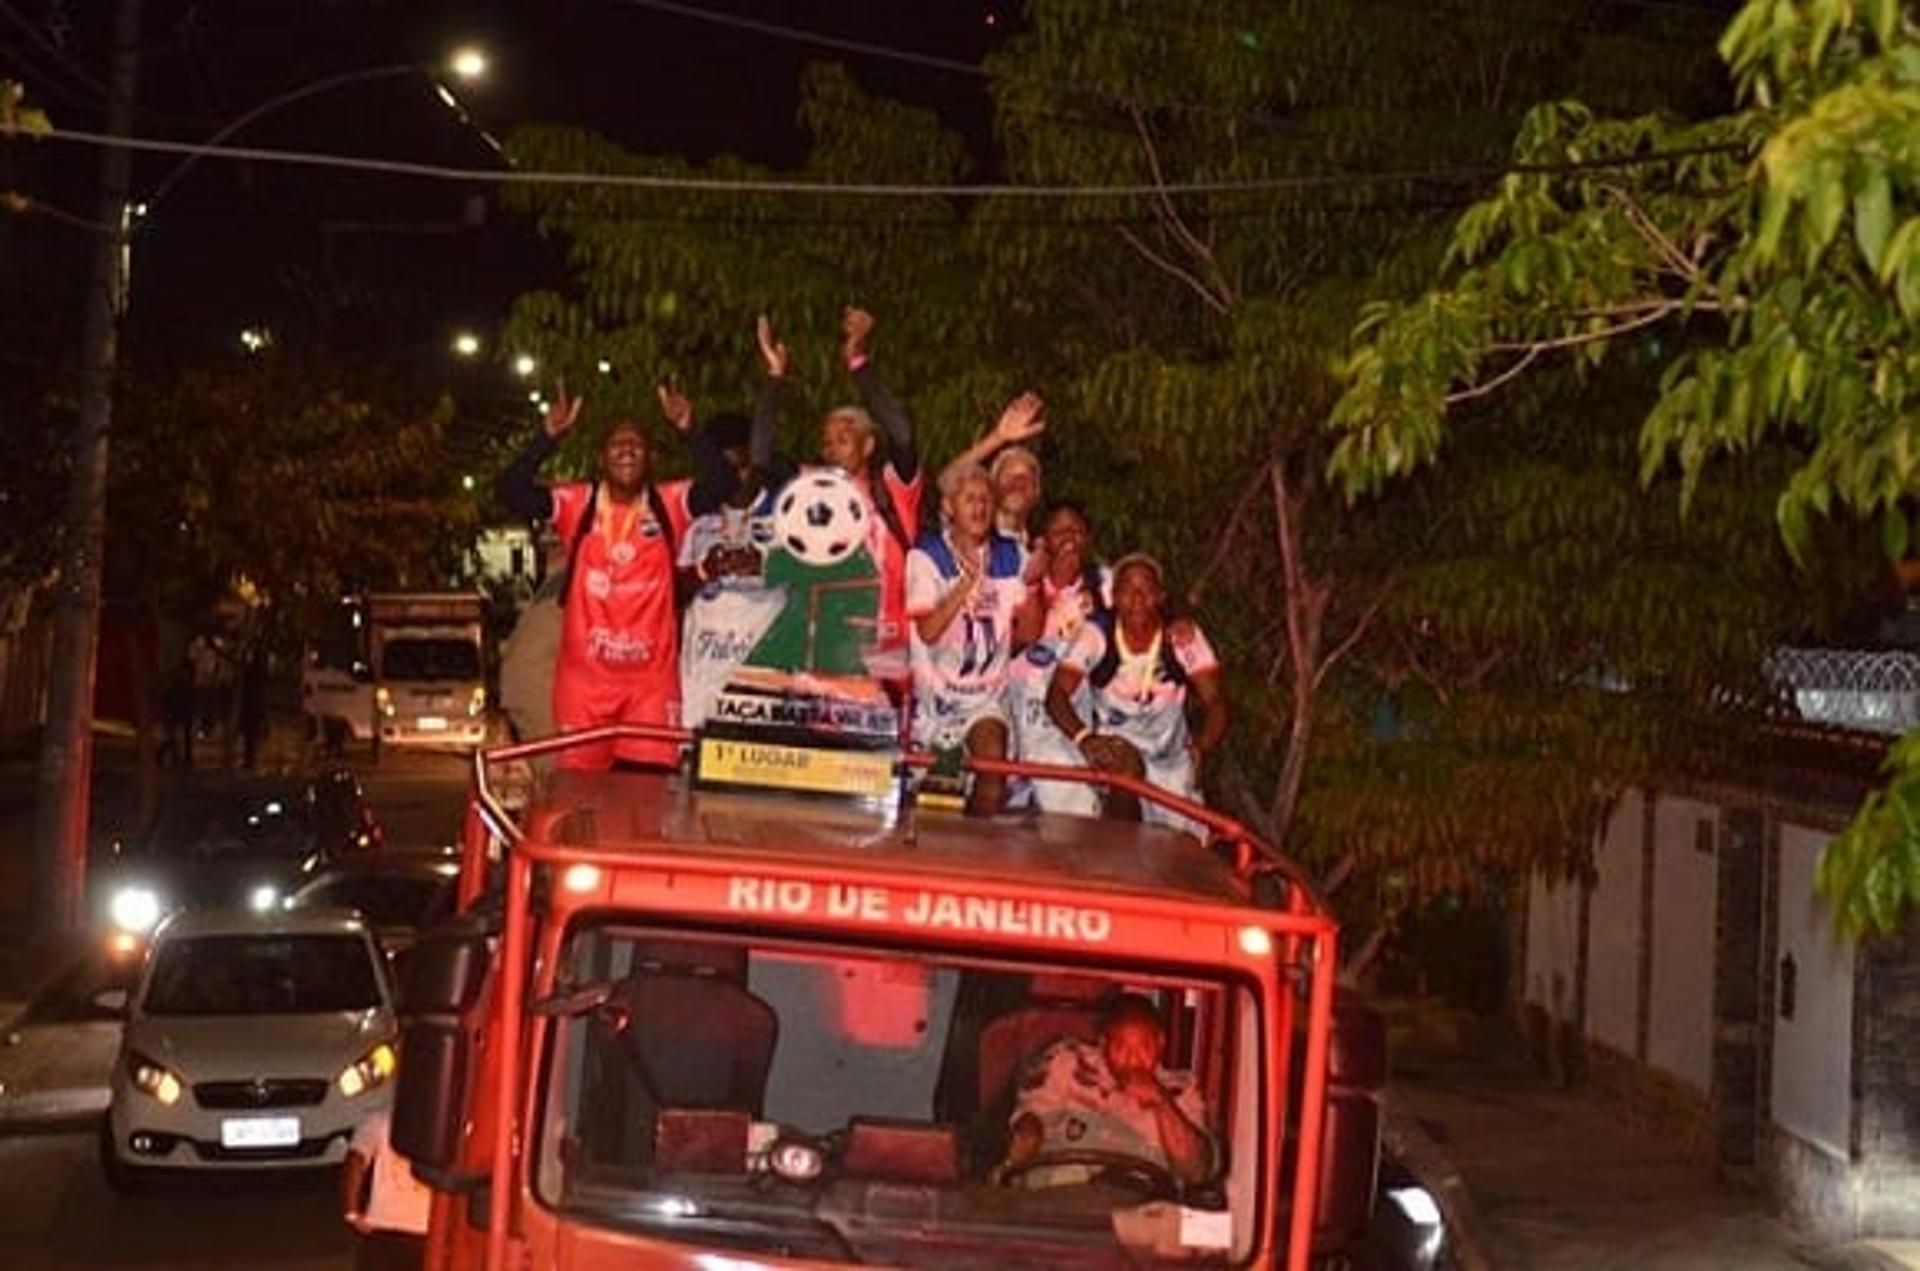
(445, 972)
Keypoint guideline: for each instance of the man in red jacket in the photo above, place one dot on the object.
(619, 643)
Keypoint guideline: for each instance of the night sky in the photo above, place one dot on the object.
(243, 245)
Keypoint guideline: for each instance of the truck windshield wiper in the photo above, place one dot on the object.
(756, 1228)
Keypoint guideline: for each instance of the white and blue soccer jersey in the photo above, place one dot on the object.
(1035, 736)
(1140, 696)
(961, 677)
(729, 614)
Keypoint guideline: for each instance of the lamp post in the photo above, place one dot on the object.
(65, 777)
(466, 63)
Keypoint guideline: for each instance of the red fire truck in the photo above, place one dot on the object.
(684, 1024)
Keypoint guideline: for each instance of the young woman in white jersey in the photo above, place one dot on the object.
(964, 597)
(1142, 671)
(1070, 588)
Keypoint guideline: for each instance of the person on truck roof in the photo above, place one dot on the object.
(1070, 586)
(619, 645)
(1142, 668)
(1014, 467)
(964, 597)
(1109, 1096)
(728, 605)
(874, 445)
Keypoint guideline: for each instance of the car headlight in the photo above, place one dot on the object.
(375, 1068)
(154, 1079)
(264, 898)
(134, 909)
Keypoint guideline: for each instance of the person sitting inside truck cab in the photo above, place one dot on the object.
(1108, 1096)
(619, 645)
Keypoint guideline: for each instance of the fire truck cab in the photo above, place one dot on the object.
(685, 1026)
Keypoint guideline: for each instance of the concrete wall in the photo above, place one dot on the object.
(1812, 1033)
(1553, 946)
(1685, 882)
(1613, 935)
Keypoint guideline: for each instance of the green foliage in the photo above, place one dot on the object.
(1779, 244)
(1189, 346)
(303, 481)
(16, 117)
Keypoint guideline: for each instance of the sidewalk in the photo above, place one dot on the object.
(1563, 1183)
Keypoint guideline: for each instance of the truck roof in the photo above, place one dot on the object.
(651, 811)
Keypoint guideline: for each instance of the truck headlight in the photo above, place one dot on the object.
(478, 702)
(372, 1069)
(134, 909)
(154, 1079)
(384, 700)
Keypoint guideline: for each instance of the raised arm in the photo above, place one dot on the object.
(517, 488)
(713, 477)
(856, 325)
(776, 471)
(1022, 419)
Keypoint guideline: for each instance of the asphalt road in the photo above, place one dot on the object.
(56, 1210)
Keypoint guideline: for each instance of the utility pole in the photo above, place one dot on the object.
(66, 753)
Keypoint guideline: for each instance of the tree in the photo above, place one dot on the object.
(1186, 342)
(1770, 257)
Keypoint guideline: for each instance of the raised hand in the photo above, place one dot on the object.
(772, 351)
(675, 406)
(856, 324)
(1023, 419)
(562, 412)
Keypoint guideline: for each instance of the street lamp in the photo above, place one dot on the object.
(524, 366)
(467, 63)
(466, 344)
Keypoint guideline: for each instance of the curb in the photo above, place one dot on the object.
(1427, 1161)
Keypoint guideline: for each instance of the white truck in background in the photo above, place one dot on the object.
(428, 653)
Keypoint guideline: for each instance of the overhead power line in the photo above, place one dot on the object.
(833, 189)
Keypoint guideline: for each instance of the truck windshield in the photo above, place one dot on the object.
(908, 1107)
(436, 658)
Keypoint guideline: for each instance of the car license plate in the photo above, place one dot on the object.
(433, 723)
(260, 1132)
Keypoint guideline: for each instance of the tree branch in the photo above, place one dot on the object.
(1531, 350)
(1653, 236)
(1240, 506)
(1170, 215)
(1354, 636)
(1507, 376)
(1139, 245)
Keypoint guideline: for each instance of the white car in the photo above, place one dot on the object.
(252, 1041)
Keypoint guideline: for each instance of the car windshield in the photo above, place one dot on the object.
(278, 821)
(262, 975)
(689, 1075)
(424, 658)
(387, 900)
